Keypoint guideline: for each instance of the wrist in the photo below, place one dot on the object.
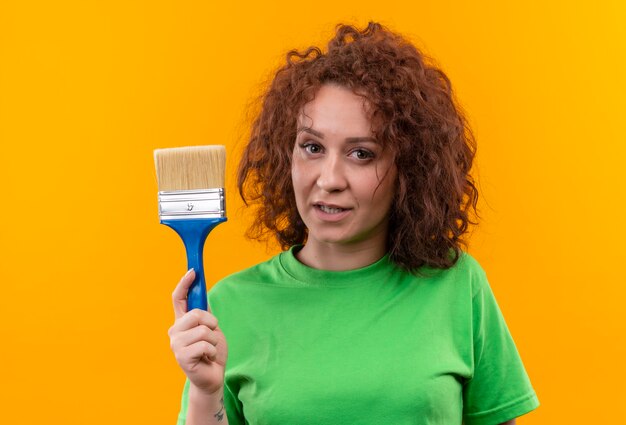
(203, 405)
(201, 394)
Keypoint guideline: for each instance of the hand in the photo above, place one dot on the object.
(197, 341)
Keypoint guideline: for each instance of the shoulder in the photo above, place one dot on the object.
(467, 272)
(467, 264)
(474, 271)
(262, 272)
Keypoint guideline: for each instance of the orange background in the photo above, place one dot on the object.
(89, 89)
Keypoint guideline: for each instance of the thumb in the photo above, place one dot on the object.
(179, 296)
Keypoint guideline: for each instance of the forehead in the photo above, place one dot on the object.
(335, 107)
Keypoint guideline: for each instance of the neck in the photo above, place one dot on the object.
(337, 257)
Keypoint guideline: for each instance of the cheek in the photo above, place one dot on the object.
(298, 178)
(300, 171)
(386, 191)
(295, 175)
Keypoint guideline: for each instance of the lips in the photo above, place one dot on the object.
(330, 213)
(329, 208)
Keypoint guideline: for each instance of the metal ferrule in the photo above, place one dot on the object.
(186, 204)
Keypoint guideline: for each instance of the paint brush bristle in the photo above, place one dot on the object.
(190, 168)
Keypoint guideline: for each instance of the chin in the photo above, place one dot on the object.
(335, 239)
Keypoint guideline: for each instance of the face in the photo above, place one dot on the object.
(343, 179)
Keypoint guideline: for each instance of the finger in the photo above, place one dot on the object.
(179, 296)
(197, 351)
(197, 317)
(191, 319)
(191, 336)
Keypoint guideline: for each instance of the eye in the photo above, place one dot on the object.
(362, 154)
(311, 148)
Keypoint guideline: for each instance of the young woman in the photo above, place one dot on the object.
(358, 164)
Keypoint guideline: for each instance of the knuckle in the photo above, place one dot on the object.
(173, 344)
(206, 333)
(214, 321)
(212, 338)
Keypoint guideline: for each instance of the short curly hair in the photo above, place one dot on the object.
(414, 114)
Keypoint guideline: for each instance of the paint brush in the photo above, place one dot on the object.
(191, 201)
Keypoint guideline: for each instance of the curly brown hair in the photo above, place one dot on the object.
(414, 114)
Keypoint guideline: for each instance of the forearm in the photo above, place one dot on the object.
(206, 409)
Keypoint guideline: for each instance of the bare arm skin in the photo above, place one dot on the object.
(206, 409)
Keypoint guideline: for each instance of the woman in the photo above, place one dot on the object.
(358, 164)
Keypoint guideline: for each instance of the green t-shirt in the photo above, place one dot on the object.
(367, 346)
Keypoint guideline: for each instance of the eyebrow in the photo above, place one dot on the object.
(348, 139)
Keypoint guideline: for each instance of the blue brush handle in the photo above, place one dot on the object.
(194, 232)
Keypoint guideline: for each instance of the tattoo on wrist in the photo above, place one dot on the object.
(220, 414)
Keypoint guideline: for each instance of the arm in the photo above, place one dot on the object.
(206, 409)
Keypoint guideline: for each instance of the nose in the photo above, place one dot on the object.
(331, 176)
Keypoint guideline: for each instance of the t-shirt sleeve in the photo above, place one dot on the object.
(499, 389)
(230, 405)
